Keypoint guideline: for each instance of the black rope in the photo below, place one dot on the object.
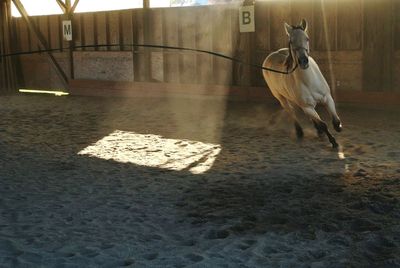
(153, 46)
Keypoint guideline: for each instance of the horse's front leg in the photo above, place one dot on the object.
(320, 124)
(330, 106)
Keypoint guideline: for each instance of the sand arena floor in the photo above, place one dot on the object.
(91, 182)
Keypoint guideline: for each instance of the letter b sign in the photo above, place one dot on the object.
(246, 19)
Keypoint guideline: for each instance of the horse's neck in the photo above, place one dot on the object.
(311, 76)
(289, 62)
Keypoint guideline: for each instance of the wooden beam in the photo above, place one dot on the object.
(74, 6)
(62, 6)
(69, 16)
(42, 41)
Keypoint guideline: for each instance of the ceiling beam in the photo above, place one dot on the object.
(62, 6)
(74, 6)
(68, 5)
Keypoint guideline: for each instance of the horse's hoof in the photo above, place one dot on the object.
(337, 125)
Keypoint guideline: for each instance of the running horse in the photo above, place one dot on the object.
(303, 87)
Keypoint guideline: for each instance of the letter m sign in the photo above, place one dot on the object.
(246, 19)
(67, 30)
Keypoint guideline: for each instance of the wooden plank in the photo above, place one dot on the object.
(349, 24)
(54, 31)
(171, 38)
(23, 33)
(88, 37)
(187, 29)
(396, 22)
(203, 41)
(303, 10)
(120, 32)
(244, 50)
(78, 26)
(140, 69)
(155, 24)
(15, 39)
(262, 21)
(60, 33)
(324, 27)
(260, 46)
(156, 37)
(34, 42)
(43, 23)
(222, 43)
(101, 26)
(126, 29)
(378, 48)
(113, 24)
(280, 12)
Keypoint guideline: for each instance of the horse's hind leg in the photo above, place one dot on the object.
(320, 125)
(319, 131)
(290, 110)
(299, 129)
(330, 105)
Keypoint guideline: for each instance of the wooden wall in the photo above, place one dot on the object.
(347, 40)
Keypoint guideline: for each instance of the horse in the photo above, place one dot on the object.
(303, 87)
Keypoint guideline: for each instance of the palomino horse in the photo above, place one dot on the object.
(303, 87)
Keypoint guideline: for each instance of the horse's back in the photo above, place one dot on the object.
(276, 60)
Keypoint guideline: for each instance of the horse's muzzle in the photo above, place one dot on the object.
(303, 62)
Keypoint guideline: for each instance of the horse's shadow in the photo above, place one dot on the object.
(272, 189)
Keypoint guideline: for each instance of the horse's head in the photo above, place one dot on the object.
(299, 43)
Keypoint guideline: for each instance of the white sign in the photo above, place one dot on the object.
(67, 30)
(246, 19)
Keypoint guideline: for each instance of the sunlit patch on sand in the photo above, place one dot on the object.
(155, 151)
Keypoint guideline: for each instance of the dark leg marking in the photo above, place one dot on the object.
(321, 125)
(320, 132)
(299, 130)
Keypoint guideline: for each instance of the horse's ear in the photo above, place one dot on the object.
(288, 29)
(304, 25)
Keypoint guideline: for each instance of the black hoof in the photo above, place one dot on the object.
(337, 125)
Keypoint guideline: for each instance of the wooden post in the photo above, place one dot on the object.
(146, 37)
(69, 16)
(8, 79)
